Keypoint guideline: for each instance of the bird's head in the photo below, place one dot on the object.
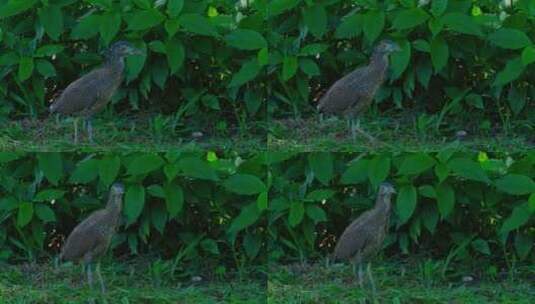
(386, 189)
(117, 188)
(123, 48)
(387, 46)
(115, 199)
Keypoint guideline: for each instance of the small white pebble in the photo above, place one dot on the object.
(197, 134)
(196, 279)
(467, 279)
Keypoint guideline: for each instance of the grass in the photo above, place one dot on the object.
(126, 282)
(147, 132)
(400, 133)
(397, 282)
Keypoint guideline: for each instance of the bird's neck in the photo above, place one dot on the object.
(379, 62)
(382, 204)
(114, 206)
(115, 63)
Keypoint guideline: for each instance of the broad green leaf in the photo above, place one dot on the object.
(48, 195)
(322, 166)
(439, 53)
(110, 24)
(246, 39)
(469, 169)
(6, 157)
(108, 169)
(289, 67)
(523, 244)
(406, 202)
(356, 173)
(45, 68)
(51, 165)
(51, 18)
(144, 164)
(528, 55)
(45, 213)
(400, 59)
(427, 191)
(49, 50)
(174, 7)
(297, 211)
(415, 164)
(252, 244)
(15, 7)
(244, 184)
(438, 7)
(86, 28)
(481, 245)
(25, 68)
(195, 23)
(248, 216)
(174, 198)
(315, 213)
(25, 214)
(313, 49)
(510, 38)
(134, 202)
(378, 170)
(85, 171)
(513, 69)
(158, 217)
(319, 195)
(445, 199)
(247, 72)
(174, 50)
(350, 27)
(462, 23)
(171, 27)
(518, 217)
(409, 18)
(194, 167)
(373, 22)
(516, 184)
(309, 67)
(263, 56)
(276, 7)
(141, 20)
(315, 19)
(210, 246)
(262, 201)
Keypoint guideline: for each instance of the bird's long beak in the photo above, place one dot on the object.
(136, 51)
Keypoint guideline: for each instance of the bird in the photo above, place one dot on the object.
(90, 239)
(89, 94)
(354, 92)
(364, 237)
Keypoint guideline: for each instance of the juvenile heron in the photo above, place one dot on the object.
(90, 239)
(354, 92)
(364, 237)
(90, 93)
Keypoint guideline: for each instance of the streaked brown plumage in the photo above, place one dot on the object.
(354, 92)
(90, 239)
(365, 235)
(90, 93)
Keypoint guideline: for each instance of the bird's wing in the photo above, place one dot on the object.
(85, 92)
(345, 92)
(84, 238)
(355, 237)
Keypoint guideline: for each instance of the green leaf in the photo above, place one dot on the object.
(51, 165)
(313, 49)
(322, 166)
(309, 67)
(438, 7)
(528, 55)
(108, 169)
(518, 217)
(350, 27)
(246, 40)
(378, 170)
(174, 199)
(194, 167)
(45, 213)
(516, 184)
(469, 169)
(315, 19)
(51, 18)
(513, 69)
(49, 50)
(415, 164)
(158, 217)
(406, 203)
(174, 49)
(400, 60)
(247, 72)
(445, 199)
(25, 68)
(289, 67)
(319, 195)
(276, 7)
(143, 19)
(523, 244)
(297, 211)
(442, 172)
(86, 28)
(85, 171)
(45, 68)
(262, 201)
(356, 173)
(174, 7)
(210, 246)
(195, 23)
(510, 38)
(134, 202)
(244, 184)
(462, 23)
(25, 214)
(252, 244)
(373, 23)
(315, 213)
(110, 24)
(144, 163)
(439, 53)
(409, 18)
(263, 56)
(481, 245)
(48, 195)
(15, 7)
(248, 216)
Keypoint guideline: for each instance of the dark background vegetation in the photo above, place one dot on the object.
(463, 63)
(452, 205)
(201, 208)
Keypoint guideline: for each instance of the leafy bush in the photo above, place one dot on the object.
(200, 55)
(477, 204)
(196, 205)
(458, 58)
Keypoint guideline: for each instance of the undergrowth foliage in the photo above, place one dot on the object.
(194, 206)
(200, 56)
(452, 202)
(458, 58)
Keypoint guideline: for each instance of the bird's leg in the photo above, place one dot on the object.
(99, 276)
(362, 132)
(353, 129)
(89, 129)
(372, 283)
(75, 121)
(361, 275)
(89, 276)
